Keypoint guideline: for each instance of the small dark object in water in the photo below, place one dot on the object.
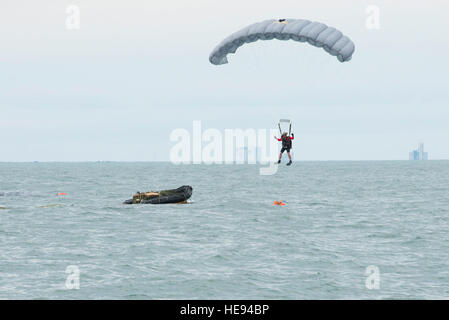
(10, 194)
(179, 195)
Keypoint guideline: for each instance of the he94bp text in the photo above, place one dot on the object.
(232, 309)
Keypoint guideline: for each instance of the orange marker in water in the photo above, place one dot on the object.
(278, 203)
(62, 194)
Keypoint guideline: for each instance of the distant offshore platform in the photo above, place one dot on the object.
(419, 154)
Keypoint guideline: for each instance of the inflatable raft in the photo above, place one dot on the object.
(179, 195)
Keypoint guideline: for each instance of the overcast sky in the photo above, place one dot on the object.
(136, 70)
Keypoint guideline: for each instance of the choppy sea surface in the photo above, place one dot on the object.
(341, 221)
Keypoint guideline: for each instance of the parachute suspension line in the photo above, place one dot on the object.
(289, 128)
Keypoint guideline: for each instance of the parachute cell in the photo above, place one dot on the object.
(315, 33)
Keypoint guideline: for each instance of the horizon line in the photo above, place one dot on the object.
(224, 163)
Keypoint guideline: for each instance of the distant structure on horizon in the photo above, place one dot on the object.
(419, 154)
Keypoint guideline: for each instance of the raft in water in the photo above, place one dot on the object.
(179, 195)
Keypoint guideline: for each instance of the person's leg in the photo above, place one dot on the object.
(280, 155)
(290, 157)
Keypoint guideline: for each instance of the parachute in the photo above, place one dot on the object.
(316, 33)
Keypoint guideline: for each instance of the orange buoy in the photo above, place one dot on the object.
(62, 194)
(278, 203)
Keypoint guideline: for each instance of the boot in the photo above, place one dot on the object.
(289, 163)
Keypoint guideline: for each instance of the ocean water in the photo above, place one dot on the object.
(230, 241)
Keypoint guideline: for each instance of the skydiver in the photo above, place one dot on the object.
(286, 146)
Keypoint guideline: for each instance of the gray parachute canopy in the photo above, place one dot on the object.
(315, 33)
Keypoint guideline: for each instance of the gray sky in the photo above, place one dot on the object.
(136, 70)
